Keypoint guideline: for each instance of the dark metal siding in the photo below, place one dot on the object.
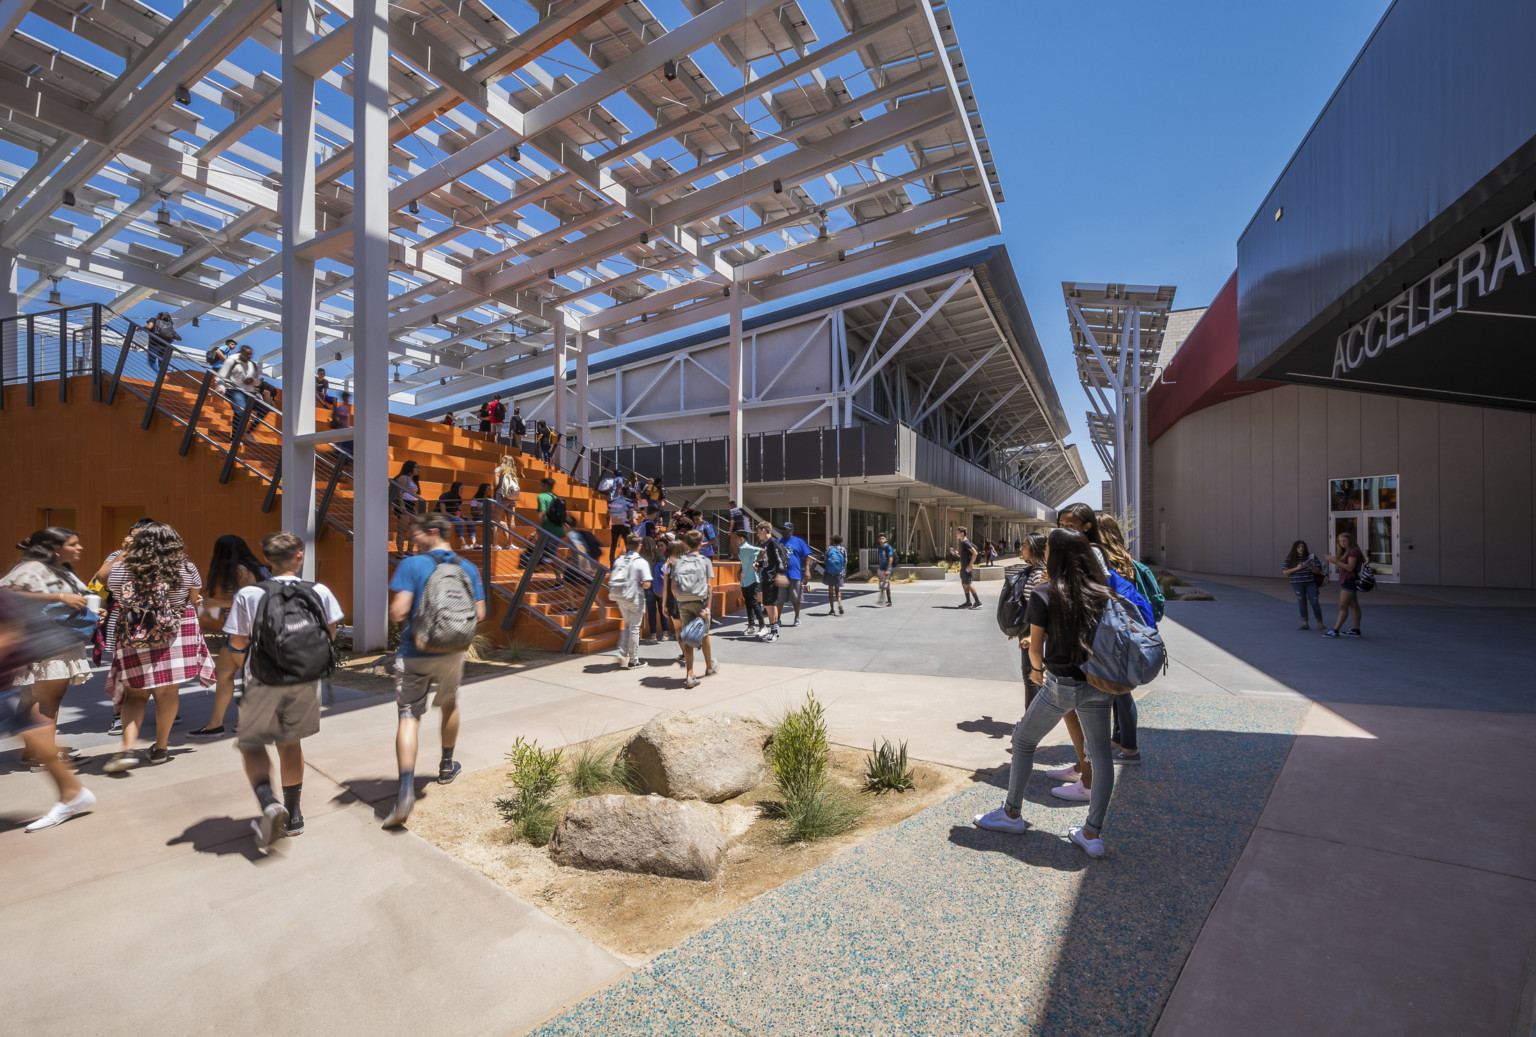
(1442, 94)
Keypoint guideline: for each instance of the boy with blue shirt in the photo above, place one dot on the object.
(798, 569)
(417, 671)
(885, 564)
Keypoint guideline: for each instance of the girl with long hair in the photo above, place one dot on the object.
(405, 501)
(1349, 560)
(1122, 740)
(1305, 572)
(45, 575)
(476, 505)
(160, 645)
(1085, 520)
(451, 504)
(1063, 615)
(233, 567)
(1032, 555)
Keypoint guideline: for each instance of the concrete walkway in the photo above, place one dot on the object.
(1356, 897)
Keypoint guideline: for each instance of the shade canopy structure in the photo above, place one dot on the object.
(589, 162)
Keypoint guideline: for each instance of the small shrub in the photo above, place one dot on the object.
(485, 650)
(600, 768)
(886, 768)
(798, 752)
(535, 775)
(824, 809)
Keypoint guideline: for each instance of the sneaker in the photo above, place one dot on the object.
(1353, 633)
(634, 664)
(1330, 633)
(840, 610)
(295, 826)
(712, 670)
(121, 762)
(1074, 792)
(1304, 626)
(445, 775)
(1121, 756)
(999, 821)
(159, 755)
(403, 808)
(691, 682)
(61, 812)
(772, 635)
(795, 623)
(116, 727)
(271, 826)
(207, 732)
(830, 612)
(1092, 847)
(1064, 774)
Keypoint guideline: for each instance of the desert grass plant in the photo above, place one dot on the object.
(598, 767)
(886, 768)
(485, 650)
(535, 775)
(812, 805)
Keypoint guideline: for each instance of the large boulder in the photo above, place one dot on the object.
(645, 834)
(708, 756)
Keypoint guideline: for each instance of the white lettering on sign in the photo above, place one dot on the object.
(1476, 272)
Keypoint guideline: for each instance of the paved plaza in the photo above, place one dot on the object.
(1319, 841)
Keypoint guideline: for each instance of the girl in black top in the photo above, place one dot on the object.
(1063, 616)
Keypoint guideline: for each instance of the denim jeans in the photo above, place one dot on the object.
(656, 613)
(1124, 734)
(1058, 696)
(1307, 592)
(634, 619)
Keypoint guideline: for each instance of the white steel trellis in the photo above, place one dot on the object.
(1117, 334)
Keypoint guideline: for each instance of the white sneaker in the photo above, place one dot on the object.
(1064, 774)
(271, 826)
(795, 623)
(1092, 847)
(999, 821)
(772, 635)
(1073, 792)
(691, 682)
(712, 670)
(61, 812)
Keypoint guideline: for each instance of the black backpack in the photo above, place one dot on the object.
(290, 643)
(1013, 602)
(556, 511)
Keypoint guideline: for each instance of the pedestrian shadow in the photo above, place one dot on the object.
(986, 726)
(221, 836)
(380, 793)
(1035, 847)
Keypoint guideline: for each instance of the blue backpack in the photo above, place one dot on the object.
(1127, 649)
(836, 560)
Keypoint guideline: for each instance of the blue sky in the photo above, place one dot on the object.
(1136, 140)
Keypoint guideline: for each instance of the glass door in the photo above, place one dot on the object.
(1367, 509)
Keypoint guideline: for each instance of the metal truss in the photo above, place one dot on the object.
(1117, 335)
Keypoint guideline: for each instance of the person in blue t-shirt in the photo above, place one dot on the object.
(799, 567)
(832, 574)
(417, 671)
(885, 565)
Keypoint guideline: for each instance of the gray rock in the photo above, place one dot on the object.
(708, 756)
(646, 834)
(1192, 594)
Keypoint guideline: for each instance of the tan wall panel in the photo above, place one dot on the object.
(1507, 493)
(1418, 489)
(1378, 435)
(1312, 465)
(1462, 515)
(1286, 509)
(1221, 526)
(1261, 546)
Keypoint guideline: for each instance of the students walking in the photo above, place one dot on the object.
(772, 576)
(1063, 615)
(692, 577)
(832, 574)
(428, 600)
(628, 582)
(747, 554)
(283, 629)
(968, 555)
(1307, 575)
(618, 519)
(885, 567)
(655, 600)
(1349, 560)
(232, 568)
(45, 576)
(159, 643)
(798, 569)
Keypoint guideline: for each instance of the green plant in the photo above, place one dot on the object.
(535, 775)
(394, 637)
(886, 768)
(822, 810)
(598, 767)
(484, 649)
(799, 750)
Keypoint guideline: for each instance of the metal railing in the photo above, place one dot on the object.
(52, 345)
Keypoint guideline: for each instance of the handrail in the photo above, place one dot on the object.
(197, 413)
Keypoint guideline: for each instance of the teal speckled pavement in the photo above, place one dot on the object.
(935, 927)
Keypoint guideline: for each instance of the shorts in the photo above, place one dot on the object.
(16, 712)
(885, 580)
(833, 581)
(688, 611)
(278, 714)
(965, 577)
(795, 592)
(415, 675)
(769, 592)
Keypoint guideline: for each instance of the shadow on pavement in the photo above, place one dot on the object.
(221, 836)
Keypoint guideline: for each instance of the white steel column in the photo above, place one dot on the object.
(558, 419)
(734, 459)
(370, 243)
(10, 357)
(1133, 510)
(583, 417)
(298, 218)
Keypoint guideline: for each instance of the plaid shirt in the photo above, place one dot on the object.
(184, 659)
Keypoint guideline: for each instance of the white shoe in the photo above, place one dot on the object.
(271, 826)
(711, 671)
(401, 813)
(1064, 774)
(1092, 847)
(795, 623)
(1073, 792)
(61, 812)
(999, 821)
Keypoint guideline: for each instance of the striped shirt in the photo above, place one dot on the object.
(1304, 574)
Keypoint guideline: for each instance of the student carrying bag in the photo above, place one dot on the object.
(290, 641)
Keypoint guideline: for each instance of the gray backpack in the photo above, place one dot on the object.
(446, 618)
(1127, 653)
